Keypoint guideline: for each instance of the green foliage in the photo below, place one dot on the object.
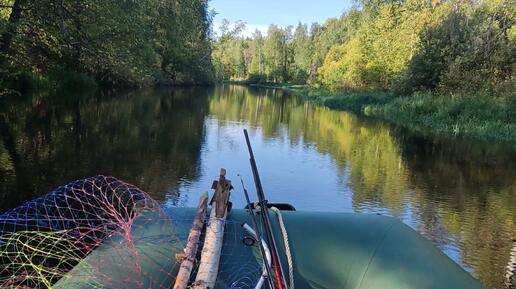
(476, 117)
(58, 79)
(448, 47)
(130, 43)
(461, 116)
(376, 55)
(256, 78)
(229, 53)
(14, 81)
(469, 50)
(344, 66)
(276, 54)
(433, 53)
(350, 101)
(69, 80)
(283, 55)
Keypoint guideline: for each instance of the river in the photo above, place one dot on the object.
(459, 194)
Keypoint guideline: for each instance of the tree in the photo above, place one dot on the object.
(115, 42)
(256, 46)
(275, 54)
(456, 46)
(9, 32)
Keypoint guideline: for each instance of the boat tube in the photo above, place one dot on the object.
(103, 233)
(329, 250)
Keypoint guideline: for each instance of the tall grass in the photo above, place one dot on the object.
(472, 117)
(476, 117)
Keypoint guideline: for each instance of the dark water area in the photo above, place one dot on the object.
(459, 194)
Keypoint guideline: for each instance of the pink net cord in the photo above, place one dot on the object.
(44, 239)
(103, 233)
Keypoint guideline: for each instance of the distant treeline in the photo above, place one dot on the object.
(448, 47)
(110, 42)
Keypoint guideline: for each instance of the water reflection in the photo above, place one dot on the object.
(149, 138)
(461, 195)
(466, 195)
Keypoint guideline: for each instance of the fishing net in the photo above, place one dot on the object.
(103, 233)
(241, 263)
(58, 233)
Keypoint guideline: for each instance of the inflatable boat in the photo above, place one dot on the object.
(329, 250)
(139, 250)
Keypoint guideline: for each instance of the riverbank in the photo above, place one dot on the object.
(16, 83)
(466, 117)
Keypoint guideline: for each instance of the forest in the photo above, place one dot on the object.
(448, 47)
(451, 46)
(445, 67)
(111, 43)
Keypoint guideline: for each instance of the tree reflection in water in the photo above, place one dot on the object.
(459, 194)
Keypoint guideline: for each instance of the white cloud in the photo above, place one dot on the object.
(249, 28)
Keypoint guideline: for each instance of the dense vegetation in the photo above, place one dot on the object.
(455, 46)
(476, 117)
(108, 42)
(447, 66)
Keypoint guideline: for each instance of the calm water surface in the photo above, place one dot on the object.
(172, 143)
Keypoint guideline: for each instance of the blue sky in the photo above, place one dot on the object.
(258, 14)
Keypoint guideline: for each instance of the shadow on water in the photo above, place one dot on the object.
(148, 138)
(460, 195)
(465, 192)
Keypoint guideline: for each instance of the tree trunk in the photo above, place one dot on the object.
(210, 256)
(191, 246)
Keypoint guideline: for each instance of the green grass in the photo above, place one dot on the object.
(469, 117)
(474, 117)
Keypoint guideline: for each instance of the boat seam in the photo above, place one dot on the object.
(374, 252)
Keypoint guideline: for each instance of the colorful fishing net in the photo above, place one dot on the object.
(103, 233)
(48, 237)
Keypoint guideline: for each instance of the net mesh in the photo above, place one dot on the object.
(101, 232)
(240, 264)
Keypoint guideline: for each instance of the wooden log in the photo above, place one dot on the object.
(188, 257)
(210, 255)
(510, 276)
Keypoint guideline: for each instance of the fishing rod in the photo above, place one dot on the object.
(276, 261)
(258, 236)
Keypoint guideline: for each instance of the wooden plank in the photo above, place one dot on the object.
(210, 255)
(188, 257)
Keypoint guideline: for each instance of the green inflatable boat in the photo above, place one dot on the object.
(101, 232)
(329, 251)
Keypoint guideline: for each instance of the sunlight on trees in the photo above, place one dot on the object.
(114, 42)
(464, 47)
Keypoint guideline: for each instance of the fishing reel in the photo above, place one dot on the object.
(249, 241)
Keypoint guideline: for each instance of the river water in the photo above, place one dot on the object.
(459, 194)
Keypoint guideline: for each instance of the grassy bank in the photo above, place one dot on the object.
(476, 117)
(470, 117)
